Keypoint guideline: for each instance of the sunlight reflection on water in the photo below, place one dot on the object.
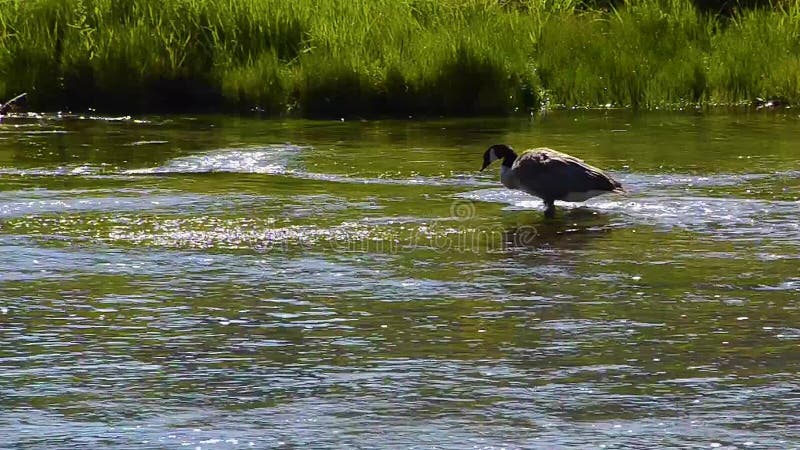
(169, 284)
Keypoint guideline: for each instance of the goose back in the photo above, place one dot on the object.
(553, 175)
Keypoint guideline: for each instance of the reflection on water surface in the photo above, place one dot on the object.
(219, 282)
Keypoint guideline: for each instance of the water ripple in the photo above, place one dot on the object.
(735, 218)
(147, 304)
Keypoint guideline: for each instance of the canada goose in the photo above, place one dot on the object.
(549, 175)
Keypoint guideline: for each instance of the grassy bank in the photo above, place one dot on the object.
(333, 57)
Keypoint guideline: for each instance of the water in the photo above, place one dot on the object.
(222, 283)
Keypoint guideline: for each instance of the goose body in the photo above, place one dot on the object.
(550, 175)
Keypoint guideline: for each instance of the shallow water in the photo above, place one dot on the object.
(216, 283)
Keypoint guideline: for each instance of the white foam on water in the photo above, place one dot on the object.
(41, 205)
(274, 159)
(282, 160)
(725, 217)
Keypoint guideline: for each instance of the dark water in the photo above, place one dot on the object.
(221, 283)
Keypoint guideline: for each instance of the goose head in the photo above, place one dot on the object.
(498, 151)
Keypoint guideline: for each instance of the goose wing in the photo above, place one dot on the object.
(554, 175)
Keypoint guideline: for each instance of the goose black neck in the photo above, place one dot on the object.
(508, 161)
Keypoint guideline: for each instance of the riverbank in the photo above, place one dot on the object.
(388, 57)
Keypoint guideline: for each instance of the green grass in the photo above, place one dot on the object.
(391, 57)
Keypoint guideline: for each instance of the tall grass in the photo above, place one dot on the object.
(762, 59)
(333, 57)
(646, 55)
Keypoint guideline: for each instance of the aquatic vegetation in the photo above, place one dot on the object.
(455, 57)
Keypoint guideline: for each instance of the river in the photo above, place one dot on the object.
(219, 282)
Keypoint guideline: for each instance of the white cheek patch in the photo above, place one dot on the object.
(492, 156)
